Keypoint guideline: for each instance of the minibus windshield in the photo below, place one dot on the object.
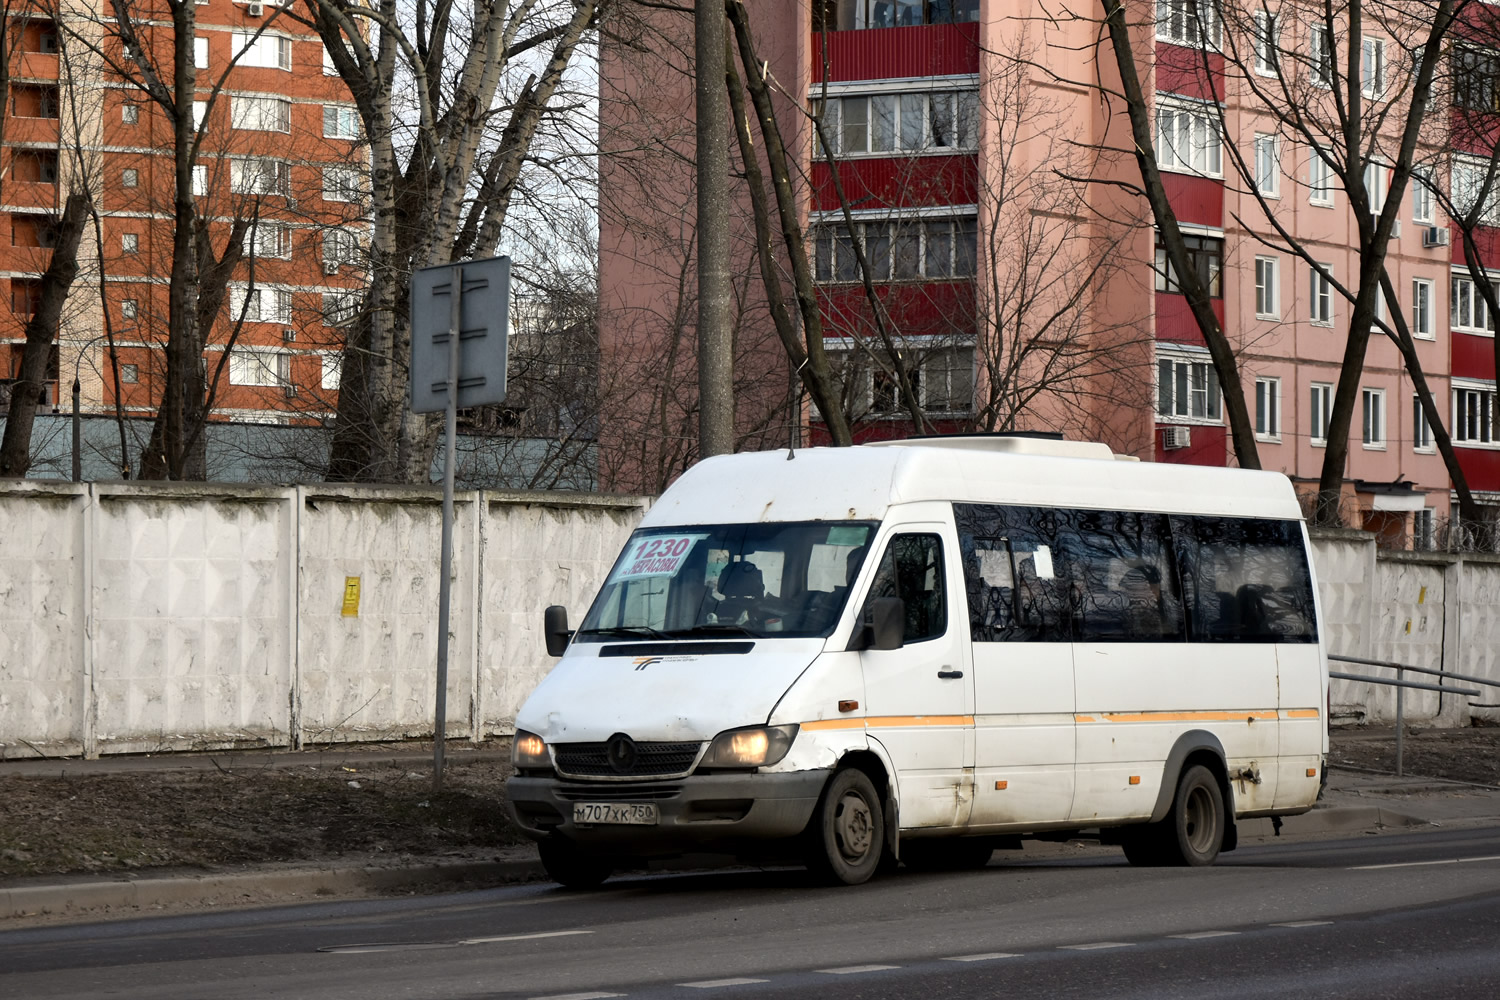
(787, 578)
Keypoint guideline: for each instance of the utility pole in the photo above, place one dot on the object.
(715, 353)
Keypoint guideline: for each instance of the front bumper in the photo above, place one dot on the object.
(715, 812)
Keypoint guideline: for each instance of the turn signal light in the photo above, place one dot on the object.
(1312, 772)
(1135, 779)
(848, 706)
(1000, 786)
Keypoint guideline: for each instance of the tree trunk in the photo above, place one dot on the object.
(41, 334)
(715, 339)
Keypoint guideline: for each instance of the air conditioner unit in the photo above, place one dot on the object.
(287, 333)
(1435, 236)
(1175, 438)
(290, 390)
(330, 267)
(255, 9)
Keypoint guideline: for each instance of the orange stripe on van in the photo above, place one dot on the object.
(1301, 713)
(835, 724)
(891, 721)
(1250, 714)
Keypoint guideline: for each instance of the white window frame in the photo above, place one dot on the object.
(1320, 412)
(1320, 295)
(200, 180)
(345, 121)
(1466, 177)
(333, 372)
(1377, 182)
(1183, 22)
(1267, 28)
(1195, 123)
(264, 51)
(1268, 408)
(341, 184)
(1475, 411)
(130, 243)
(200, 52)
(255, 366)
(341, 247)
(1320, 61)
(1193, 395)
(1422, 301)
(267, 304)
(1372, 68)
(1372, 419)
(1267, 288)
(130, 308)
(833, 254)
(268, 239)
(130, 177)
(260, 114)
(1467, 310)
(1421, 429)
(340, 307)
(910, 122)
(1422, 200)
(260, 175)
(200, 115)
(1267, 164)
(130, 374)
(1319, 180)
(130, 114)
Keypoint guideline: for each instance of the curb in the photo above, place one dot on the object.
(208, 890)
(1335, 819)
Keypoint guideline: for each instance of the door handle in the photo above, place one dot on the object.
(949, 675)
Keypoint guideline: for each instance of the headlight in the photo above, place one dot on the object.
(529, 750)
(755, 747)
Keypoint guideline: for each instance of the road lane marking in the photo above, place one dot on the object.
(365, 949)
(1304, 923)
(987, 956)
(1200, 935)
(1420, 864)
(712, 984)
(522, 937)
(1096, 945)
(849, 970)
(577, 996)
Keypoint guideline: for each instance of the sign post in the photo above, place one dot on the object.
(452, 366)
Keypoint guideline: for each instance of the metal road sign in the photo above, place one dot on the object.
(483, 318)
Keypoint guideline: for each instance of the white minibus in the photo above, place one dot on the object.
(920, 651)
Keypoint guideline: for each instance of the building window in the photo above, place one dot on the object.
(1187, 22)
(130, 114)
(1468, 179)
(1267, 43)
(333, 371)
(898, 250)
(252, 367)
(1187, 387)
(1268, 409)
(129, 308)
(1267, 288)
(200, 52)
(941, 379)
(1320, 56)
(32, 100)
(1421, 429)
(1467, 311)
(1421, 196)
(268, 239)
(1320, 294)
(260, 114)
(893, 13)
(340, 121)
(340, 184)
(200, 115)
(1321, 412)
(887, 123)
(1372, 68)
(339, 307)
(1423, 529)
(261, 305)
(260, 176)
(130, 177)
(1376, 181)
(1373, 408)
(1476, 76)
(129, 374)
(1319, 180)
(1206, 258)
(264, 51)
(1268, 166)
(340, 247)
(200, 180)
(329, 69)
(1187, 139)
(1421, 308)
(130, 243)
(1474, 415)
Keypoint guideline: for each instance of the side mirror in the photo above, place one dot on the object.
(884, 625)
(555, 628)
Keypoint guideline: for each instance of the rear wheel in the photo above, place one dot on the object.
(574, 868)
(1192, 834)
(847, 833)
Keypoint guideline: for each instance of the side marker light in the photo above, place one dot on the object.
(848, 706)
(1135, 779)
(1000, 785)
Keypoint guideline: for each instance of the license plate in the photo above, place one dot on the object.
(633, 813)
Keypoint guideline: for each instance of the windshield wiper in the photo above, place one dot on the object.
(626, 632)
(716, 629)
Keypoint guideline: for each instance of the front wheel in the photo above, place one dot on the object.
(847, 833)
(574, 868)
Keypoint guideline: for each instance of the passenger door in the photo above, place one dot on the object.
(919, 701)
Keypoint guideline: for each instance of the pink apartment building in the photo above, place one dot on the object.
(932, 126)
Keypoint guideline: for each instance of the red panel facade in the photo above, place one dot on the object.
(1481, 467)
(905, 182)
(915, 309)
(1189, 72)
(1473, 357)
(897, 53)
(1209, 447)
(1175, 322)
(1196, 200)
(1486, 238)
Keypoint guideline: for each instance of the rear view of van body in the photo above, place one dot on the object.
(924, 650)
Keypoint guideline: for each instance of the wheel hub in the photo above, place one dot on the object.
(854, 827)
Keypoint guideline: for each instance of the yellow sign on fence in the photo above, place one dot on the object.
(351, 597)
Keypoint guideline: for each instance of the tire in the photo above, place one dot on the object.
(846, 837)
(572, 867)
(948, 854)
(1193, 832)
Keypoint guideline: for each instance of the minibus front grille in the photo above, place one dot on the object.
(624, 793)
(652, 760)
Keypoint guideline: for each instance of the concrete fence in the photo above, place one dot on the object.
(138, 618)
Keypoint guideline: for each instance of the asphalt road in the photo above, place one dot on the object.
(1412, 915)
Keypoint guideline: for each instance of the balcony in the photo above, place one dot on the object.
(897, 53)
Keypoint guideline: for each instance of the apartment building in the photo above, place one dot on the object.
(932, 129)
(280, 148)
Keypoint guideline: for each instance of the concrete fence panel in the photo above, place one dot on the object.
(1478, 620)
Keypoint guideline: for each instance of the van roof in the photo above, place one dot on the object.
(863, 482)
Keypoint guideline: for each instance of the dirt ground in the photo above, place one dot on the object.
(347, 810)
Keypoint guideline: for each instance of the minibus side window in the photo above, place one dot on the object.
(1124, 584)
(1246, 579)
(912, 569)
(1016, 580)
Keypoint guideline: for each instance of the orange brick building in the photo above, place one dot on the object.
(280, 143)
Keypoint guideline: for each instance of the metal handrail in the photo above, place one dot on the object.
(1401, 684)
